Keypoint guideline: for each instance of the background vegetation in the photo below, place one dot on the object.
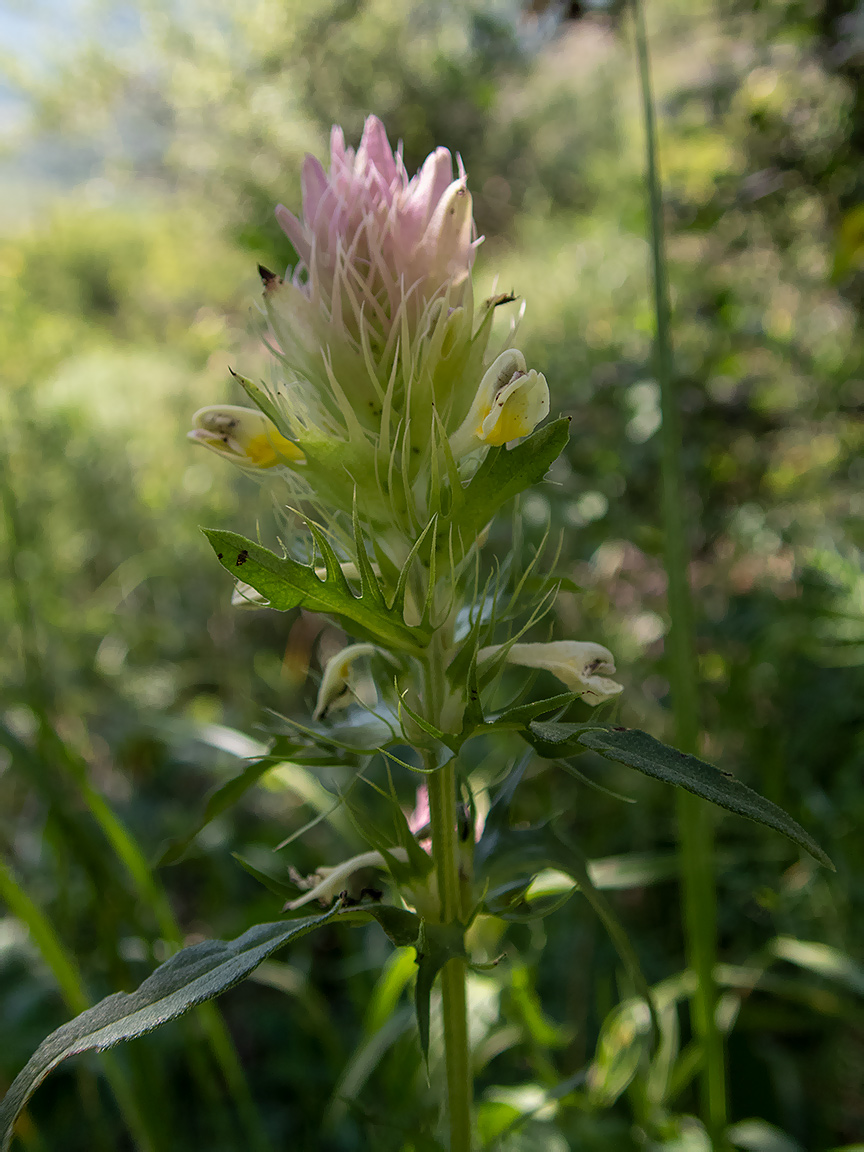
(144, 150)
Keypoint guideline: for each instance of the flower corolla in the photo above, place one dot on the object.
(509, 403)
(337, 683)
(584, 667)
(244, 436)
(328, 882)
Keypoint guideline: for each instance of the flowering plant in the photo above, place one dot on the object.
(392, 442)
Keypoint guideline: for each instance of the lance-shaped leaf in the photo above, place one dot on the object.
(639, 750)
(288, 584)
(190, 977)
(522, 714)
(504, 474)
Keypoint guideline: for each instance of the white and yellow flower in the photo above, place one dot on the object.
(244, 436)
(510, 403)
(584, 667)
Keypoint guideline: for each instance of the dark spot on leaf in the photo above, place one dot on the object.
(218, 555)
(242, 557)
(619, 729)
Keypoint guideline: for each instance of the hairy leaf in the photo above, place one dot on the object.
(554, 740)
(639, 750)
(190, 977)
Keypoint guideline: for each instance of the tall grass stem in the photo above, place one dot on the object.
(695, 830)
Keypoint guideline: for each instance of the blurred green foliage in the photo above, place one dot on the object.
(125, 300)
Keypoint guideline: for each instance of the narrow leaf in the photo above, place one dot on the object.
(335, 575)
(398, 603)
(368, 580)
(190, 977)
(639, 750)
(520, 715)
(280, 888)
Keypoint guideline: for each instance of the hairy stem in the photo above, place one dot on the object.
(694, 821)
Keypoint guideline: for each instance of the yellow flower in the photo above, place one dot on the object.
(510, 403)
(580, 664)
(244, 436)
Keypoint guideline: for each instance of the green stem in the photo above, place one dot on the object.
(445, 849)
(695, 831)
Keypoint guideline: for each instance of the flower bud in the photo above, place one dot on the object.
(510, 403)
(582, 665)
(244, 436)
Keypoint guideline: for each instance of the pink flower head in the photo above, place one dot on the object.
(373, 243)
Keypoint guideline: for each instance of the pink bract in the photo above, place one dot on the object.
(371, 240)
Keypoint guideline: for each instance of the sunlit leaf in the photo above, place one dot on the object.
(504, 474)
(288, 584)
